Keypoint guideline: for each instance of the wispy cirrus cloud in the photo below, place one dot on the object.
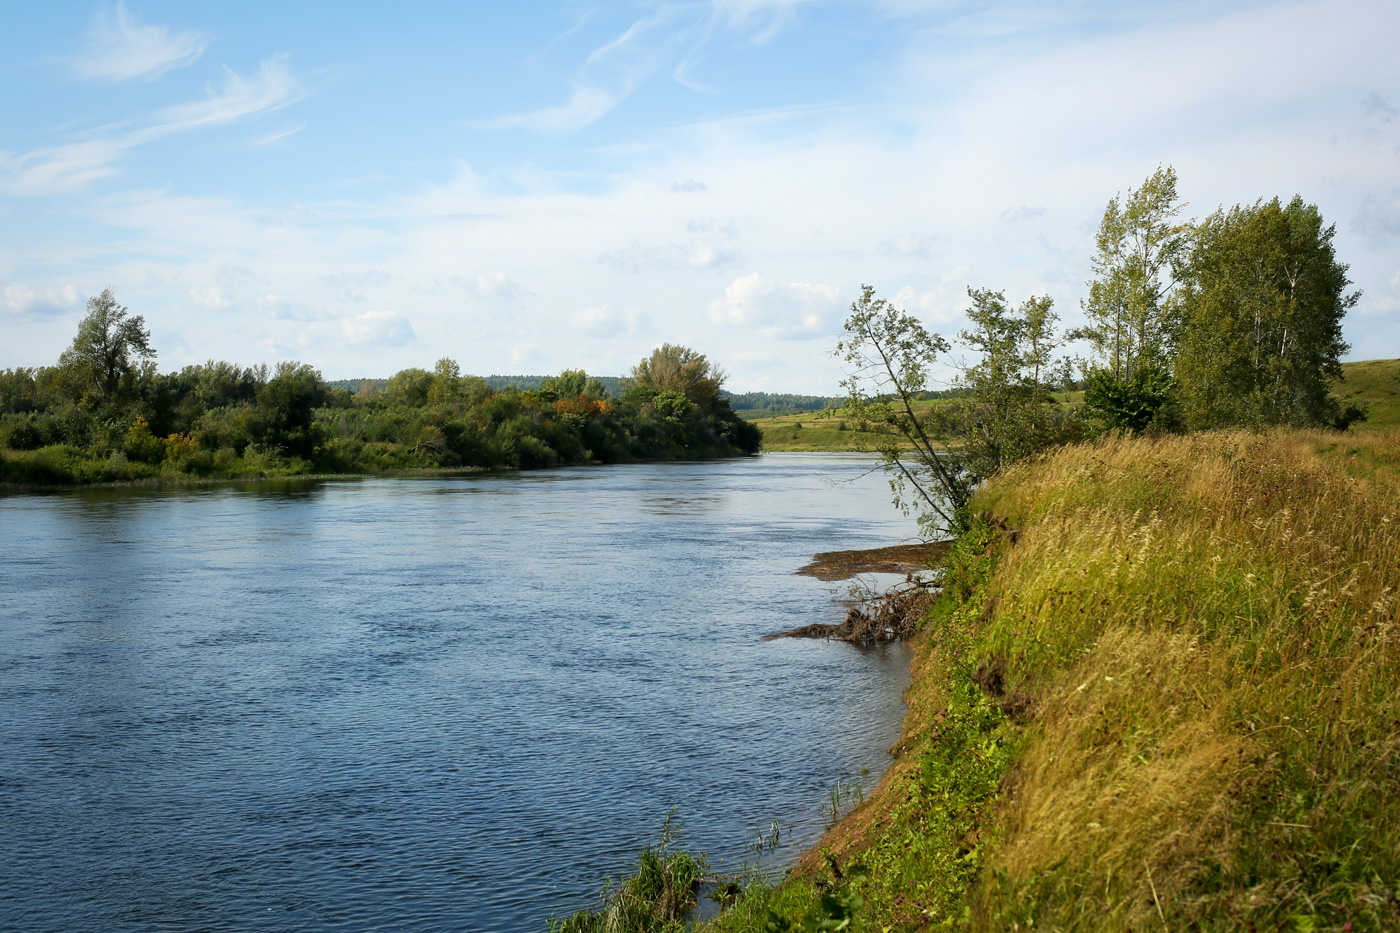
(270, 88)
(610, 73)
(71, 166)
(674, 37)
(121, 49)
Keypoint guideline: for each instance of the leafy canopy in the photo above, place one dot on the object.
(100, 362)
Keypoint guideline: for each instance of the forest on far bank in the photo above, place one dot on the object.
(104, 413)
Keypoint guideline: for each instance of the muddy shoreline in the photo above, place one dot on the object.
(890, 616)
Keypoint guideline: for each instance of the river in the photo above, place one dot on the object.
(421, 703)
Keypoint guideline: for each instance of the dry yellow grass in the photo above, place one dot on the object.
(1210, 630)
(1162, 691)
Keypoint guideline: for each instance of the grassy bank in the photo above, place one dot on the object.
(1162, 691)
(1374, 385)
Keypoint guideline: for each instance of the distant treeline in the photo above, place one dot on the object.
(615, 386)
(104, 413)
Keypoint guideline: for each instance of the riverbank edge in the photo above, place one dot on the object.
(1018, 799)
(193, 480)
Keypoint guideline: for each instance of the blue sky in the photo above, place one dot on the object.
(532, 187)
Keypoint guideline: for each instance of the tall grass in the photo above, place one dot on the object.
(1162, 691)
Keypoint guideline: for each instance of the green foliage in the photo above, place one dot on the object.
(1142, 400)
(1139, 250)
(775, 403)
(656, 898)
(140, 444)
(890, 354)
(100, 364)
(835, 909)
(220, 419)
(673, 368)
(1006, 412)
(21, 434)
(1263, 307)
(573, 383)
(1001, 411)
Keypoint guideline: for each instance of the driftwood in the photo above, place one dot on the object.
(892, 616)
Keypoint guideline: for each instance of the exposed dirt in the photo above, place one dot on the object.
(901, 558)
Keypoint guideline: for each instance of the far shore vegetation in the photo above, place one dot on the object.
(105, 414)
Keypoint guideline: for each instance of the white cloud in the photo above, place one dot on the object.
(489, 286)
(271, 88)
(378, 328)
(120, 49)
(606, 322)
(586, 105)
(1023, 213)
(71, 166)
(271, 138)
(212, 297)
(795, 311)
(695, 254)
(351, 286)
(909, 245)
(941, 305)
(688, 186)
(23, 301)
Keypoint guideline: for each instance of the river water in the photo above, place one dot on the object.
(446, 703)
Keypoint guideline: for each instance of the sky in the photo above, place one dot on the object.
(528, 188)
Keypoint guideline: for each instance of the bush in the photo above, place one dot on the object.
(22, 435)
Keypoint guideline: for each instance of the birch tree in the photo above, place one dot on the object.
(1263, 307)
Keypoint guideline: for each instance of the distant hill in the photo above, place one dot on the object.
(1375, 386)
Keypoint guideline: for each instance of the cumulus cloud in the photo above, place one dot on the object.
(695, 254)
(120, 49)
(23, 301)
(378, 328)
(212, 297)
(687, 186)
(909, 245)
(604, 321)
(795, 311)
(493, 286)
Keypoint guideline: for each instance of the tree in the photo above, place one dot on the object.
(103, 356)
(1006, 411)
(286, 408)
(1263, 307)
(890, 354)
(1139, 250)
(572, 383)
(673, 368)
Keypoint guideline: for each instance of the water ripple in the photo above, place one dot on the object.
(419, 704)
